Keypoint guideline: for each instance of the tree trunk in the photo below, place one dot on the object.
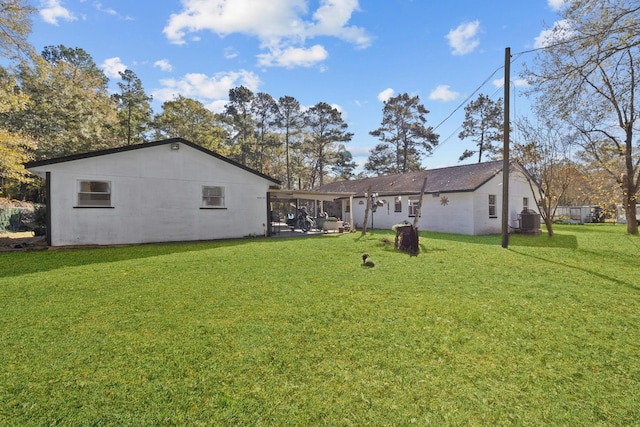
(630, 212)
(549, 225)
(366, 211)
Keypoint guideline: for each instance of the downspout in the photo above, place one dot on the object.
(47, 198)
(268, 233)
(351, 224)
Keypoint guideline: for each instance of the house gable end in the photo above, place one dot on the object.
(81, 156)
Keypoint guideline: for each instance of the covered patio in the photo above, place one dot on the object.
(283, 203)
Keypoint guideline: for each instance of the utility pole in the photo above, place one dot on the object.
(505, 160)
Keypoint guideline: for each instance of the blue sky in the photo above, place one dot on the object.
(348, 53)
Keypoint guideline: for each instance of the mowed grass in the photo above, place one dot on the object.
(290, 332)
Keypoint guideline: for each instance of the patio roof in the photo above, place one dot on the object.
(307, 195)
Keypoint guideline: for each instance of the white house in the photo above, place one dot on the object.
(465, 199)
(170, 190)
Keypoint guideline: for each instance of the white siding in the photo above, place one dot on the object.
(460, 212)
(156, 195)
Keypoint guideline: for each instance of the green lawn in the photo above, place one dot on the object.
(295, 332)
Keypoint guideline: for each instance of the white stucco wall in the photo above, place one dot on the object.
(460, 213)
(156, 196)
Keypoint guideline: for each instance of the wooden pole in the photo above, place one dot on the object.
(505, 160)
(366, 211)
(419, 208)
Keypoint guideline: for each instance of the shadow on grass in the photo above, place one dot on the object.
(461, 238)
(541, 240)
(20, 263)
(582, 269)
(591, 228)
(561, 241)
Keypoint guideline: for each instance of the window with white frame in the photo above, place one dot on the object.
(94, 194)
(347, 206)
(413, 207)
(492, 206)
(212, 197)
(525, 203)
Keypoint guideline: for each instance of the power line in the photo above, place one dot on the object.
(468, 97)
(466, 100)
(515, 57)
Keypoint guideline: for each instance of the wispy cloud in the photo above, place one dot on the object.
(464, 38)
(100, 8)
(52, 11)
(230, 53)
(557, 5)
(443, 93)
(281, 26)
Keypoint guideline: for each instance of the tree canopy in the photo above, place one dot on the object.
(15, 27)
(588, 76)
(326, 130)
(238, 111)
(404, 137)
(484, 124)
(70, 110)
(188, 118)
(134, 109)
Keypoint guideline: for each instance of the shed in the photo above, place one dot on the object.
(169, 190)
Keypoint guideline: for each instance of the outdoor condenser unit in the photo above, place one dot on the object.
(529, 222)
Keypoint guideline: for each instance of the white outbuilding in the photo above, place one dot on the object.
(464, 199)
(169, 190)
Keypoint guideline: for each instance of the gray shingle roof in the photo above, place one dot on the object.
(444, 180)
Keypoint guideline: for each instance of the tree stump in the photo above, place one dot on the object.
(407, 239)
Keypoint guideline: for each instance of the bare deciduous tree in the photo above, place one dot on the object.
(588, 75)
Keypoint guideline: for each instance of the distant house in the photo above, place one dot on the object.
(170, 190)
(578, 214)
(465, 199)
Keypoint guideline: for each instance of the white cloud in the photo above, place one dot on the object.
(332, 19)
(293, 57)
(385, 94)
(112, 67)
(443, 93)
(279, 25)
(561, 30)
(217, 106)
(212, 91)
(163, 64)
(463, 39)
(52, 11)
